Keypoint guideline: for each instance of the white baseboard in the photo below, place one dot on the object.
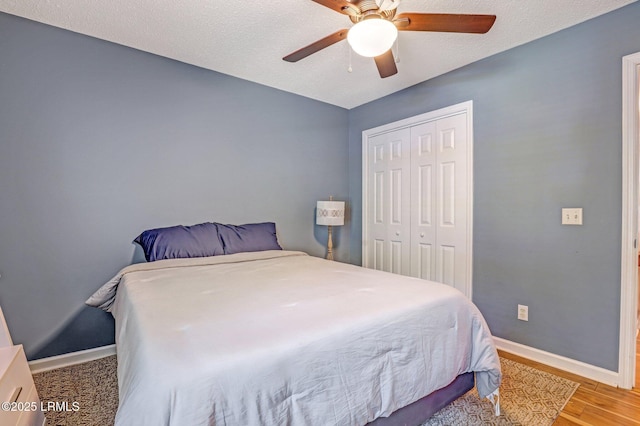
(65, 360)
(567, 364)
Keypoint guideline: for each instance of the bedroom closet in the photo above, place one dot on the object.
(417, 196)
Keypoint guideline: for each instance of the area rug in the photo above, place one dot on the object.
(527, 397)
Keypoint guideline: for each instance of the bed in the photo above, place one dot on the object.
(279, 337)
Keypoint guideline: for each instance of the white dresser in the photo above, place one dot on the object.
(19, 400)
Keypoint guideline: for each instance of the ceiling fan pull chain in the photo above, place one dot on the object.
(349, 48)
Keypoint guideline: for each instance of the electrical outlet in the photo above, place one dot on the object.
(523, 312)
(572, 216)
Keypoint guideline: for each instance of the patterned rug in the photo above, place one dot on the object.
(527, 397)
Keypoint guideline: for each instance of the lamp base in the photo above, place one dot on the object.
(329, 245)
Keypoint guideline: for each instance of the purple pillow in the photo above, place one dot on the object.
(180, 241)
(249, 237)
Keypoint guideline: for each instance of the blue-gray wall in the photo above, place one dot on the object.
(99, 142)
(547, 135)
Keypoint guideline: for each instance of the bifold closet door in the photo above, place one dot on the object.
(417, 197)
(424, 200)
(388, 192)
(439, 191)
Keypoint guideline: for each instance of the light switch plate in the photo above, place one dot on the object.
(523, 312)
(572, 216)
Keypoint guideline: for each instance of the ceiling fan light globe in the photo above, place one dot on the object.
(372, 37)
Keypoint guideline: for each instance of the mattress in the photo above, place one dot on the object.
(280, 337)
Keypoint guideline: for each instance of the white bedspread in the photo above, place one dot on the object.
(283, 338)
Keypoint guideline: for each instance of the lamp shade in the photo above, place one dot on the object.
(372, 37)
(330, 213)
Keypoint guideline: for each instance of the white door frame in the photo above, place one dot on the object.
(630, 188)
(463, 107)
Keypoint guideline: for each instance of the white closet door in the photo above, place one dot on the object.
(388, 156)
(423, 200)
(418, 196)
(451, 222)
(438, 197)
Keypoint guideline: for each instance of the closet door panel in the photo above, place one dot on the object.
(452, 195)
(390, 176)
(378, 255)
(425, 262)
(423, 200)
(446, 265)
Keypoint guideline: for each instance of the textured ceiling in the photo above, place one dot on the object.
(248, 39)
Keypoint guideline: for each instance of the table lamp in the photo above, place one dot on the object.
(330, 213)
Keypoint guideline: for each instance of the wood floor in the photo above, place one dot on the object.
(595, 403)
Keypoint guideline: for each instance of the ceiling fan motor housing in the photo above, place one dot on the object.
(369, 9)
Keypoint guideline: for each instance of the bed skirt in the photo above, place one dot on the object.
(418, 412)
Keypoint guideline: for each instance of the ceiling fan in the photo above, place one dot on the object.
(377, 25)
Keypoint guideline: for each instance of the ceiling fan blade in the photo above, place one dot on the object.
(341, 6)
(317, 46)
(386, 64)
(444, 22)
